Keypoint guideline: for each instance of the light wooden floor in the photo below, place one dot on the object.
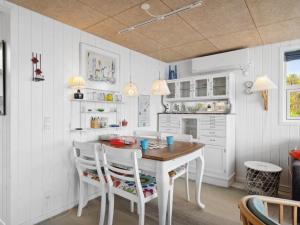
(221, 208)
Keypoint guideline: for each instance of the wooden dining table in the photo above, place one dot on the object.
(165, 158)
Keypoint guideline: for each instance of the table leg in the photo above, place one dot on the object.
(199, 179)
(162, 179)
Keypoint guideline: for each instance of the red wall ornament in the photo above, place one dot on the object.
(37, 73)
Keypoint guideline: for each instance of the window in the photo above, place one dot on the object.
(292, 84)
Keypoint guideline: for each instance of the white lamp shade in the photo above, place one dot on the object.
(76, 82)
(130, 89)
(160, 87)
(263, 83)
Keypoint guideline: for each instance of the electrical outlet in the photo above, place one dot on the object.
(47, 123)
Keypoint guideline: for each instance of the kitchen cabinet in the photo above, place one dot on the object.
(201, 87)
(169, 123)
(219, 86)
(206, 87)
(173, 92)
(217, 132)
(185, 89)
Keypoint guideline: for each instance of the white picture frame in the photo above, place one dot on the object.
(99, 65)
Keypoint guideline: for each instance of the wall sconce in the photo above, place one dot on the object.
(263, 84)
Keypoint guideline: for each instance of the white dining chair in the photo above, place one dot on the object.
(127, 183)
(146, 134)
(178, 172)
(89, 172)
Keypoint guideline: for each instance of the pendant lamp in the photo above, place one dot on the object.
(160, 87)
(130, 89)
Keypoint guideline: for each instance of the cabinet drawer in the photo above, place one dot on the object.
(219, 141)
(211, 126)
(174, 125)
(213, 133)
(169, 130)
(212, 119)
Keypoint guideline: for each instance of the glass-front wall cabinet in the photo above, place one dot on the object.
(201, 87)
(219, 86)
(185, 89)
(172, 88)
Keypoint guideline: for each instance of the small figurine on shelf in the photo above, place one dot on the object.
(109, 97)
(124, 123)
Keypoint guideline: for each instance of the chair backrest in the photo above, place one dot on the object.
(146, 134)
(253, 211)
(178, 137)
(122, 164)
(85, 163)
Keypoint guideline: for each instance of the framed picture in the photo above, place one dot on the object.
(98, 65)
(2, 79)
(144, 111)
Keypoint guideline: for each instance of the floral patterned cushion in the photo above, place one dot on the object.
(91, 174)
(148, 184)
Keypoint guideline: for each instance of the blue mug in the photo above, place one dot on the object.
(145, 144)
(170, 140)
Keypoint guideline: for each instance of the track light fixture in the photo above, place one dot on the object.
(156, 18)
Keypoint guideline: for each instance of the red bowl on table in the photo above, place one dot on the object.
(117, 142)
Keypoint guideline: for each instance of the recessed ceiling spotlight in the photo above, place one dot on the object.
(157, 18)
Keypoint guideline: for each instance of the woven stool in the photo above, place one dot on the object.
(262, 178)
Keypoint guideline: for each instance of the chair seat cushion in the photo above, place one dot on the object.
(91, 174)
(256, 206)
(148, 184)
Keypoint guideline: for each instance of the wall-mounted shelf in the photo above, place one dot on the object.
(81, 116)
(95, 101)
(97, 112)
(96, 129)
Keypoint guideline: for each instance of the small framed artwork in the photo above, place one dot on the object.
(99, 65)
(2, 78)
(144, 111)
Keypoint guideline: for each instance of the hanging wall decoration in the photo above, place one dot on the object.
(37, 73)
(144, 111)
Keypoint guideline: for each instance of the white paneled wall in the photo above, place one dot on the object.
(4, 135)
(259, 136)
(43, 176)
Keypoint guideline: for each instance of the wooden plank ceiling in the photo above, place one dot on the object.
(216, 26)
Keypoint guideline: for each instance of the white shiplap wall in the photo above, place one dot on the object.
(4, 134)
(43, 176)
(259, 135)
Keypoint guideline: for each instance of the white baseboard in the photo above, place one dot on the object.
(57, 211)
(215, 180)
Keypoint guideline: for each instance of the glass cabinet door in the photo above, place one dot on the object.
(189, 126)
(185, 89)
(172, 88)
(219, 86)
(201, 88)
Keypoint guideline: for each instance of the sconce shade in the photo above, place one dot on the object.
(76, 82)
(160, 87)
(130, 89)
(263, 83)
